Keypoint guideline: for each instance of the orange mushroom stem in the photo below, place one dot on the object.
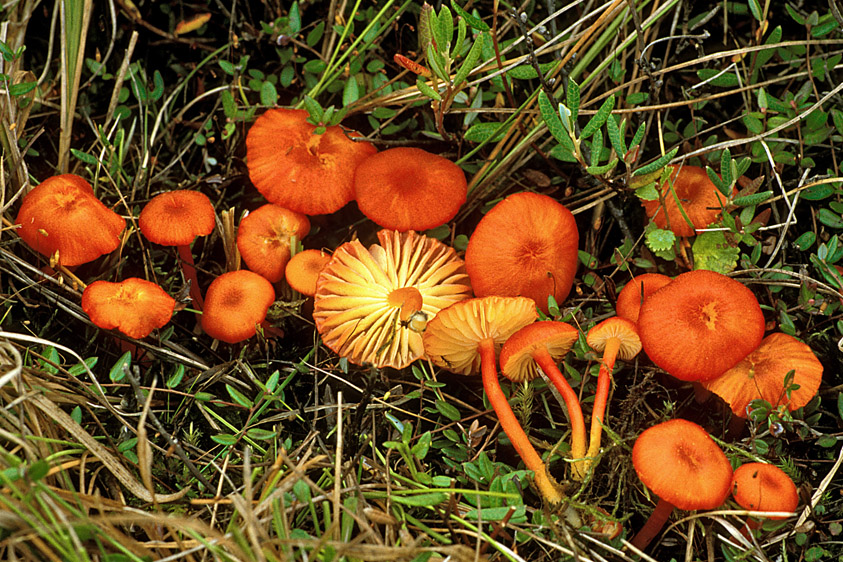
(615, 337)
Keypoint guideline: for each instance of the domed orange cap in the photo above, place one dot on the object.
(63, 215)
(264, 236)
(303, 270)
(526, 245)
(633, 293)
(133, 306)
(700, 325)
(409, 189)
(764, 487)
(235, 304)
(176, 218)
(516, 357)
(294, 167)
(700, 198)
(762, 373)
(682, 465)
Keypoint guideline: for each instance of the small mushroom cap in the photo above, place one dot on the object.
(700, 198)
(304, 268)
(409, 188)
(516, 359)
(62, 215)
(634, 293)
(297, 169)
(614, 327)
(683, 465)
(764, 487)
(700, 325)
(134, 306)
(360, 296)
(176, 218)
(526, 245)
(264, 239)
(452, 338)
(762, 373)
(235, 304)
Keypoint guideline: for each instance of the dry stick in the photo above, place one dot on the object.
(119, 78)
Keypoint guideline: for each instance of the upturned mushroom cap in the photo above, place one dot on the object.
(235, 304)
(700, 198)
(634, 293)
(176, 218)
(683, 465)
(764, 487)
(629, 344)
(134, 306)
(63, 215)
(700, 325)
(453, 336)
(526, 245)
(361, 296)
(516, 358)
(303, 270)
(297, 169)
(409, 188)
(762, 373)
(264, 236)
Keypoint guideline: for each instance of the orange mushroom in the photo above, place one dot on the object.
(526, 245)
(680, 463)
(762, 374)
(634, 293)
(409, 188)
(701, 201)
(176, 218)
(134, 306)
(237, 302)
(264, 239)
(61, 216)
(764, 487)
(303, 270)
(296, 168)
(700, 325)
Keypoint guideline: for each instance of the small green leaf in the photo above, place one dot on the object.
(485, 132)
(573, 99)
(715, 77)
(422, 446)
(647, 192)
(528, 71)
(637, 137)
(426, 90)
(714, 253)
(84, 157)
(224, 439)
(551, 118)
(177, 376)
(755, 8)
(474, 22)
(830, 218)
(660, 163)
(605, 168)
(421, 500)
(753, 124)
(458, 44)
(443, 31)
(596, 147)
(599, 118)
(117, 372)
(426, 17)
(468, 64)
(805, 240)
(754, 199)
(447, 410)
(351, 91)
(716, 180)
(22, 88)
(615, 137)
(837, 118)
(268, 94)
(261, 434)
(660, 239)
(238, 396)
(313, 108)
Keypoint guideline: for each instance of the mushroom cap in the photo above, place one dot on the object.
(615, 327)
(452, 338)
(235, 304)
(264, 239)
(134, 306)
(361, 296)
(62, 215)
(516, 358)
(636, 291)
(304, 268)
(297, 169)
(176, 218)
(761, 375)
(409, 188)
(526, 245)
(682, 465)
(764, 487)
(700, 198)
(700, 325)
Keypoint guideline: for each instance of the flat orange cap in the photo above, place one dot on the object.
(264, 236)
(526, 246)
(516, 358)
(764, 487)
(62, 215)
(700, 325)
(634, 293)
(134, 306)
(235, 304)
(682, 465)
(176, 218)
(303, 270)
(294, 167)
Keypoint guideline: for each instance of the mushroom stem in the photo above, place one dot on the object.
(654, 525)
(601, 398)
(572, 402)
(548, 488)
(188, 267)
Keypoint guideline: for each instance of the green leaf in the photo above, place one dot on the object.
(615, 137)
(224, 439)
(315, 34)
(422, 446)
(426, 17)
(714, 77)
(84, 157)
(653, 166)
(794, 14)
(261, 434)
(421, 500)
(726, 171)
(573, 99)
(600, 170)
(753, 124)
(805, 240)
(817, 192)
(351, 91)
(227, 67)
(117, 372)
(22, 88)
(175, 379)
(461, 31)
(238, 396)
(229, 106)
(840, 405)
(314, 109)
(715, 179)
(485, 132)
(551, 118)
(647, 192)
(447, 410)
(268, 95)
(754, 199)
(444, 30)
(474, 22)
(637, 137)
(468, 64)
(599, 118)
(830, 218)
(528, 71)
(563, 153)
(755, 8)
(436, 62)
(714, 253)
(660, 240)
(427, 90)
